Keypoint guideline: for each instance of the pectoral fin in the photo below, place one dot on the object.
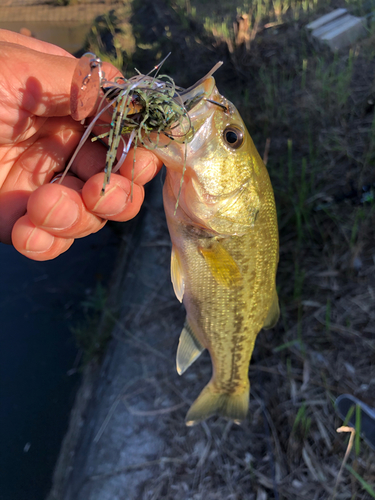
(177, 275)
(189, 349)
(222, 265)
(273, 314)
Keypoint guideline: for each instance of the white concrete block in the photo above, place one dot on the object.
(338, 29)
(333, 25)
(326, 19)
(346, 34)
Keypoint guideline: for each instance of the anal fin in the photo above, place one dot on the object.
(273, 314)
(189, 349)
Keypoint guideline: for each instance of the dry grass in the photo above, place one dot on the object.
(317, 112)
(288, 447)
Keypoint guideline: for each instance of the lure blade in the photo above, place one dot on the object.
(85, 87)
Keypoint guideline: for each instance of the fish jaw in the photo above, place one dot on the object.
(188, 140)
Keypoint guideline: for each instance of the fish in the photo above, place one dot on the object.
(221, 216)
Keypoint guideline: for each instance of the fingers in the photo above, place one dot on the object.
(12, 207)
(33, 165)
(119, 203)
(42, 155)
(46, 156)
(90, 160)
(37, 82)
(36, 79)
(56, 214)
(141, 167)
(60, 210)
(35, 243)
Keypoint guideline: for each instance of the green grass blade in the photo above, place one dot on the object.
(360, 479)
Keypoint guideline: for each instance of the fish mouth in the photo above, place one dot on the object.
(202, 89)
(184, 138)
(194, 102)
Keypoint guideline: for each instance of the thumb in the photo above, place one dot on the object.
(37, 82)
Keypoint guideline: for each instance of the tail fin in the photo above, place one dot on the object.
(232, 406)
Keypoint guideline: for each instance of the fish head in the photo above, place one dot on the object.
(212, 163)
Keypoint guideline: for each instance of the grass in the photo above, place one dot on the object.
(302, 423)
(317, 111)
(366, 486)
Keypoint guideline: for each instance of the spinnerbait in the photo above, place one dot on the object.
(142, 108)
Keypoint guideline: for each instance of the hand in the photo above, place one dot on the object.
(37, 138)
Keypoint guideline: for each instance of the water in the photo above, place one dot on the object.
(39, 301)
(68, 35)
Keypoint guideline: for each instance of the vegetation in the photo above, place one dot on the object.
(63, 3)
(311, 113)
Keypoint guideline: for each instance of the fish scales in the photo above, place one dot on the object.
(224, 250)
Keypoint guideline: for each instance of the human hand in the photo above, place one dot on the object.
(37, 138)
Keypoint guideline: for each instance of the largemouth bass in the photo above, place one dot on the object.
(221, 217)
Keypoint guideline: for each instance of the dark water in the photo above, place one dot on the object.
(39, 301)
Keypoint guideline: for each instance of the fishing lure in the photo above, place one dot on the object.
(143, 107)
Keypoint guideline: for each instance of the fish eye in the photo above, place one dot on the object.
(233, 136)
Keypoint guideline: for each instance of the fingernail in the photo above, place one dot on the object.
(39, 241)
(63, 214)
(113, 202)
